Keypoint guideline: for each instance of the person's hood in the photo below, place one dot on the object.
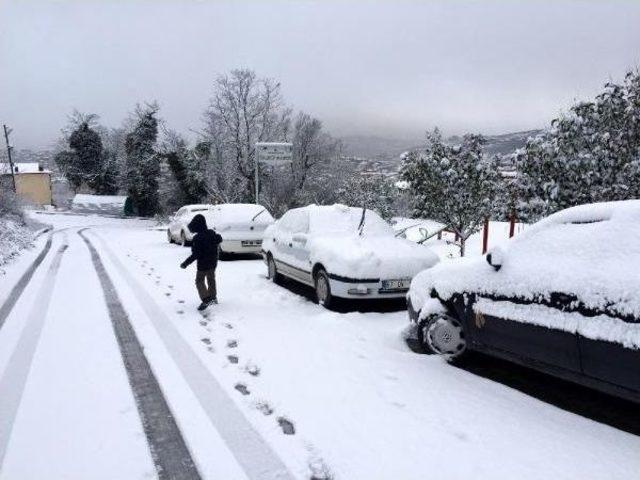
(198, 224)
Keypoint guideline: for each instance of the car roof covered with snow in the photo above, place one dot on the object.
(340, 219)
(239, 212)
(590, 251)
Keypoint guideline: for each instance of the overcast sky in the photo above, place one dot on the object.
(393, 68)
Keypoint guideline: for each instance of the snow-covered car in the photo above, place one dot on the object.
(178, 230)
(241, 225)
(563, 297)
(343, 252)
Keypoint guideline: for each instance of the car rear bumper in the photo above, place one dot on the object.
(239, 246)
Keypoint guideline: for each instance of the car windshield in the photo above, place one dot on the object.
(347, 221)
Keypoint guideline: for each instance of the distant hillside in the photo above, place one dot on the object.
(380, 154)
(508, 142)
(376, 148)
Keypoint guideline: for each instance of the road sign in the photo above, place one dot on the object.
(274, 153)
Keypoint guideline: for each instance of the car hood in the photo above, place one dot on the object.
(369, 257)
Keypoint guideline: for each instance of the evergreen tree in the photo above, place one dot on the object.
(189, 169)
(455, 185)
(591, 154)
(143, 167)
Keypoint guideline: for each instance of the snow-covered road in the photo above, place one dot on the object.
(269, 385)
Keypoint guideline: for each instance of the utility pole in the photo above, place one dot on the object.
(7, 131)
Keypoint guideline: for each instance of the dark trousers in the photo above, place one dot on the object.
(206, 284)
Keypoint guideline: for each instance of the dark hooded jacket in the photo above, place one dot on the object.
(204, 246)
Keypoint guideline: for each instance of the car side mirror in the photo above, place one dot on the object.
(495, 258)
(299, 238)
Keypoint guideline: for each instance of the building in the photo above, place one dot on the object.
(33, 182)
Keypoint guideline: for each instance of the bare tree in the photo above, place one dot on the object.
(311, 146)
(244, 110)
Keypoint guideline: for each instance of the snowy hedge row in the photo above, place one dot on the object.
(14, 237)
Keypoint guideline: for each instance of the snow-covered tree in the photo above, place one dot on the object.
(82, 157)
(188, 167)
(143, 166)
(375, 192)
(590, 154)
(455, 185)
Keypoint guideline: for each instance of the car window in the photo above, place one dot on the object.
(285, 221)
(299, 222)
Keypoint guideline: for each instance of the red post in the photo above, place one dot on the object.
(512, 224)
(485, 236)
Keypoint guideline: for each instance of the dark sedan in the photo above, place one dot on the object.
(563, 298)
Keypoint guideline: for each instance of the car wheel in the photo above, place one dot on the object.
(443, 335)
(273, 270)
(323, 289)
(169, 237)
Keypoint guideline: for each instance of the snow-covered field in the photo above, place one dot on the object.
(266, 363)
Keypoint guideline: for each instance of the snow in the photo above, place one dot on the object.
(414, 229)
(32, 167)
(86, 200)
(14, 237)
(232, 213)
(363, 405)
(591, 251)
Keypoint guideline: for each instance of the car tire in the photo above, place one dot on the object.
(443, 334)
(323, 289)
(272, 270)
(169, 237)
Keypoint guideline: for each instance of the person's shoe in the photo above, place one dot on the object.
(213, 301)
(203, 306)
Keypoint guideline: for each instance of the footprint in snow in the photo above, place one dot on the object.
(252, 369)
(232, 359)
(232, 343)
(206, 340)
(211, 349)
(167, 294)
(179, 312)
(242, 388)
(228, 326)
(203, 323)
(170, 286)
(264, 408)
(288, 428)
(180, 301)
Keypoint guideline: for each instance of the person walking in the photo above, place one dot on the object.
(204, 251)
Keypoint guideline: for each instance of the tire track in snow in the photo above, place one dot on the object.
(19, 287)
(169, 450)
(252, 452)
(14, 379)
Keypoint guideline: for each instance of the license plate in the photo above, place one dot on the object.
(251, 243)
(396, 284)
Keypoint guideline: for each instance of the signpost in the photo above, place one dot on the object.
(273, 154)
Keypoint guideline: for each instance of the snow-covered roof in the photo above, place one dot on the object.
(31, 167)
(85, 199)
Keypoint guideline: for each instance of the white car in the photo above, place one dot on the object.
(343, 252)
(241, 225)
